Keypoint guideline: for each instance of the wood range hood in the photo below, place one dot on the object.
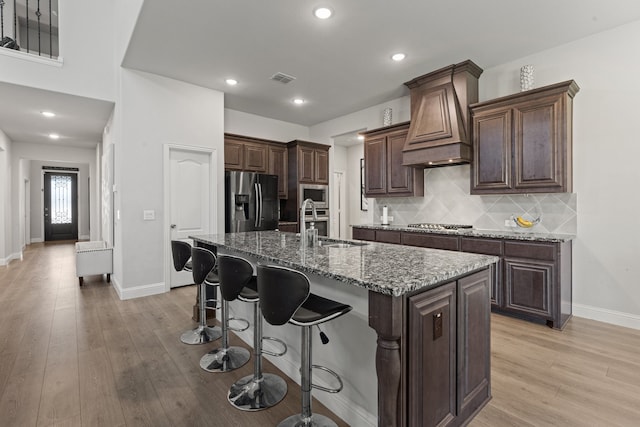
(440, 130)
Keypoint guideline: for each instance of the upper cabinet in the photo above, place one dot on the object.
(312, 161)
(440, 132)
(250, 154)
(384, 174)
(523, 143)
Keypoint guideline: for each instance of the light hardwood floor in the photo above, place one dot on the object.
(73, 356)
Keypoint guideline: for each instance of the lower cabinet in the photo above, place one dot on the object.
(532, 279)
(449, 354)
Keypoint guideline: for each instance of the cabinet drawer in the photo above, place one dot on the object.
(386, 236)
(363, 234)
(542, 251)
(481, 246)
(433, 241)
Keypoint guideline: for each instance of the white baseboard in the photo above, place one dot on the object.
(84, 237)
(137, 291)
(353, 414)
(7, 260)
(37, 240)
(608, 316)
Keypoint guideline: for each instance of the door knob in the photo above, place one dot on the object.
(173, 226)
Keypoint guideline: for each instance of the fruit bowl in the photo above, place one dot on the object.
(526, 221)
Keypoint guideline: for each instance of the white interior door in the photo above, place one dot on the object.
(190, 195)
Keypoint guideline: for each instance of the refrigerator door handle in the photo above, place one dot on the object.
(261, 207)
(255, 223)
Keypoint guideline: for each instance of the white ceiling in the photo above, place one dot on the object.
(342, 64)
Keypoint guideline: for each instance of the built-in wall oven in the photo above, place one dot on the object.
(318, 193)
(322, 223)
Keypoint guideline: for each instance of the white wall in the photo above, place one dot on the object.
(55, 155)
(262, 127)
(86, 40)
(152, 111)
(6, 250)
(37, 187)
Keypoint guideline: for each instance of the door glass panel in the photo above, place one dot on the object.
(61, 212)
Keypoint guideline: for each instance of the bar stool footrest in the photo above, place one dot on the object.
(272, 353)
(240, 329)
(335, 375)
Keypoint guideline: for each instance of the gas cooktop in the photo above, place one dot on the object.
(432, 226)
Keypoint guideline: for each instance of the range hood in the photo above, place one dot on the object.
(440, 130)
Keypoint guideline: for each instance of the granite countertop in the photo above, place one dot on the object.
(379, 267)
(525, 234)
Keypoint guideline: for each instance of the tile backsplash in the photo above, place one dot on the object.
(447, 200)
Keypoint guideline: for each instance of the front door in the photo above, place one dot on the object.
(190, 194)
(60, 206)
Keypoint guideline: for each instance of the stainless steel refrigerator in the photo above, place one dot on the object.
(251, 201)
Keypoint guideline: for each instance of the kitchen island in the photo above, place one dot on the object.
(429, 309)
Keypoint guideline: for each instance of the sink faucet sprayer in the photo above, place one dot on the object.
(308, 237)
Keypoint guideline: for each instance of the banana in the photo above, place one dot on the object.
(524, 223)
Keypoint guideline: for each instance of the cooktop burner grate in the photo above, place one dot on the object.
(432, 226)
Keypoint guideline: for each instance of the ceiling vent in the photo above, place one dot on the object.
(282, 78)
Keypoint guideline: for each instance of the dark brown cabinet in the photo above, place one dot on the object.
(449, 328)
(523, 143)
(278, 166)
(245, 153)
(531, 279)
(384, 173)
(312, 161)
(288, 227)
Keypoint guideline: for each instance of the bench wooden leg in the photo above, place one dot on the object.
(108, 278)
(81, 280)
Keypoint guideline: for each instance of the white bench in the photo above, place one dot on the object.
(93, 258)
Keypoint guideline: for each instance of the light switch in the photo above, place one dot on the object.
(149, 215)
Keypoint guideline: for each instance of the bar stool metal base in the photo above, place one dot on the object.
(201, 335)
(224, 360)
(316, 420)
(250, 394)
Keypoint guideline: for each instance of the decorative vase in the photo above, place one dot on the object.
(386, 117)
(526, 78)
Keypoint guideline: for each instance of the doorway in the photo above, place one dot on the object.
(60, 206)
(190, 194)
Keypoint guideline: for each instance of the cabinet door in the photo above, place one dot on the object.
(538, 162)
(431, 371)
(399, 178)
(278, 166)
(487, 247)
(306, 165)
(474, 353)
(528, 286)
(388, 236)
(321, 160)
(375, 166)
(255, 158)
(233, 155)
(491, 166)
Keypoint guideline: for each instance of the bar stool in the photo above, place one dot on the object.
(234, 276)
(285, 297)
(259, 390)
(181, 252)
(203, 269)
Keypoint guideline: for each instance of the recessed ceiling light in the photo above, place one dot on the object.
(360, 137)
(398, 56)
(231, 82)
(54, 136)
(298, 101)
(48, 114)
(322, 13)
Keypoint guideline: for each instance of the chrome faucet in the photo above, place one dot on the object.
(303, 225)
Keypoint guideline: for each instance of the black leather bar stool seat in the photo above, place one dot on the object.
(204, 274)
(285, 297)
(181, 252)
(235, 279)
(259, 390)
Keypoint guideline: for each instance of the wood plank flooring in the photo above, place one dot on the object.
(72, 356)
